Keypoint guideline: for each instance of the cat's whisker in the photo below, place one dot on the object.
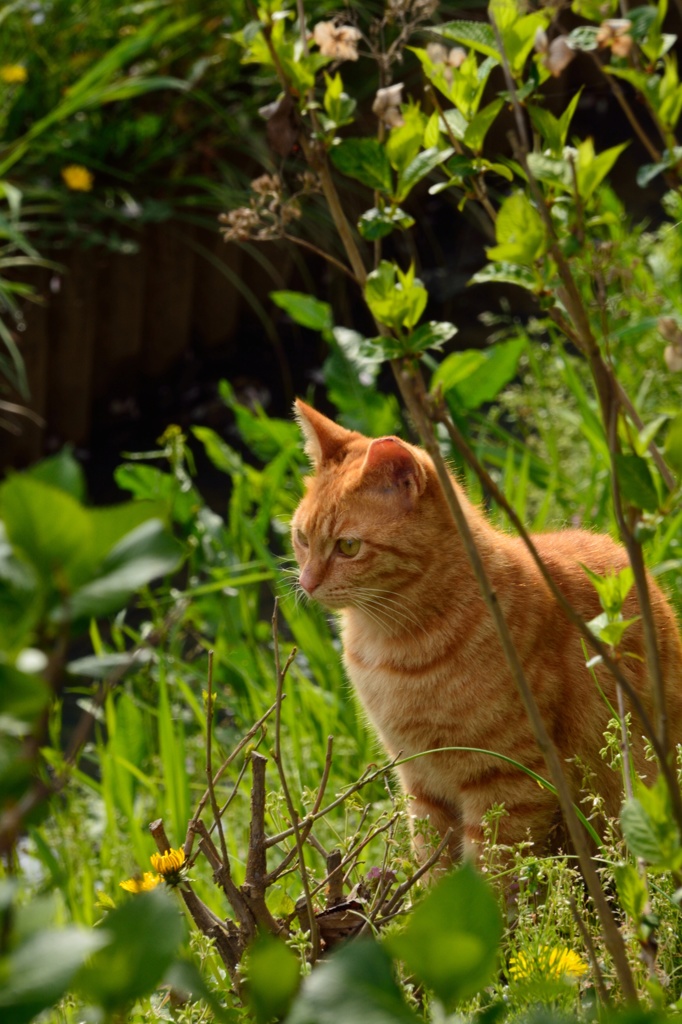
(381, 598)
(395, 619)
(373, 614)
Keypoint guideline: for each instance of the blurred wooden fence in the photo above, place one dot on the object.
(111, 321)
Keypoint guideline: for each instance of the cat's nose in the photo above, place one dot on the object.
(310, 578)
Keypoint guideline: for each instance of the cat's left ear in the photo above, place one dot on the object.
(391, 467)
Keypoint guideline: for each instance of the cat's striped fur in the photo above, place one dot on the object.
(421, 649)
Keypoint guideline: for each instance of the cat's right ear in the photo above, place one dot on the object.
(323, 438)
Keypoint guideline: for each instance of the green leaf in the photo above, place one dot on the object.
(273, 976)
(519, 231)
(265, 435)
(354, 986)
(143, 555)
(673, 444)
(590, 169)
(144, 935)
(22, 695)
(305, 310)
(474, 136)
(36, 974)
(366, 161)
(422, 165)
(456, 368)
(378, 223)
(431, 335)
(395, 298)
(405, 141)
(350, 373)
(507, 273)
(476, 34)
(451, 939)
(62, 471)
(553, 171)
(554, 130)
(455, 122)
(477, 376)
(632, 891)
(50, 528)
(649, 827)
(635, 481)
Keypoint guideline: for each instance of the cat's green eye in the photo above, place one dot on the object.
(301, 538)
(348, 546)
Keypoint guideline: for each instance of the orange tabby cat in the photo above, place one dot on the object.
(375, 541)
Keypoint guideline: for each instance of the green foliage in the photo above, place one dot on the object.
(149, 586)
(451, 939)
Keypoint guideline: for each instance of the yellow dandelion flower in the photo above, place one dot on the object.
(13, 74)
(78, 178)
(148, 881)
(547, 963)
(169, 864)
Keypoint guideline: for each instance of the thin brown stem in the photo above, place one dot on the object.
(209, 767)
(293, 814)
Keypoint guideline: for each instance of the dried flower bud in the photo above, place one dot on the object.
(670, 330)
(541, 43)
(673, 358)
(437, 53)
(386, 105)
(612, 29)
(622, 45)
(559, 55)
(337, 41)
(456, 57)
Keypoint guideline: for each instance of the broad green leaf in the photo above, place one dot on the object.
(265, 435)
(350, 373)
(144, 935)
(100, 666)
(378, 223)
(478, 376)
(366, 161)
(519, 231)
(454, 123)
(305, 310)
(649, 827)
(50, 529)
(552, 170)
(355, 985)
(673, 444)
(507, 273)
(450, 942)
(37, 972)
(635, 481)
(632, 891)
(474, 136)
(62, 471)
(422, 165)
(404, 142)
(22, 696)
(273, 976)
(431, 335)
(143, 555)
(476, 34)
(457, 367)
(591, 170)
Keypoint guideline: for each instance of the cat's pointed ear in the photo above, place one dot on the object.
(323, 438)
(391, 467)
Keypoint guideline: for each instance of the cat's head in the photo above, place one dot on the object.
(362, 525)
